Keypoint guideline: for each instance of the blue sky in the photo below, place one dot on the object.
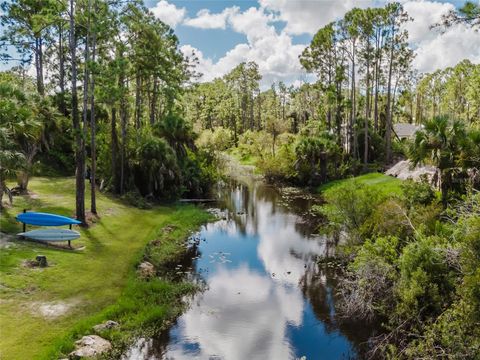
(273, 33)
(214, 43)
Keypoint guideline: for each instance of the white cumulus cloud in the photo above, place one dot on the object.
(448, 49)
(434, 48)
(168, 13)
(424, 14)
(206, 20)
(273, 49)
(307, 16)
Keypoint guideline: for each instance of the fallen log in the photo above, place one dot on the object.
(198, 200)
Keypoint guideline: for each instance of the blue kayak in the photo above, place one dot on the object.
(45, 219)
(51, 234)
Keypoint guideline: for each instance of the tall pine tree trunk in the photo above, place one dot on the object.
(259, 111)
(367, 110)
(93, 143)
(114, 150)
(61, 62)
(329, 112)
(153, 102)
(86, 79)
(138, 100)
(378, 59)
(338, 113)
(39, 65)
(388, 128)
(123, 124)
(79, 146)
(351, 128)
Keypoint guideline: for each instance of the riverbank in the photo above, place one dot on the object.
(43, 311)
(380, 182)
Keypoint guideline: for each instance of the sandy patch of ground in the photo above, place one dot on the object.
(53, 309)
(110, 211)
(33, 195)
(6, 240)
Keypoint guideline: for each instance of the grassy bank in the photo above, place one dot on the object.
(380, 182)
(248, 159)
(42, 311)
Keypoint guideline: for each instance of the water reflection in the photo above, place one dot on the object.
(266, 297)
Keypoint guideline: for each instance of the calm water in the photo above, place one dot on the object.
(265, 296)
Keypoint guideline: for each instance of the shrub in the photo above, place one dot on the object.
(317, 158)
(134, 198)
(200, 170)
(350, 206)
(219, 139)
(388, 219)
(368, 289)
(426, 285)
(156, 169)
(417, 193)
(279, 167)
(455, 333)
(255, 143)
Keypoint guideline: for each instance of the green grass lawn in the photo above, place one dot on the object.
(96, 283)
(384, 183)
(243, 159)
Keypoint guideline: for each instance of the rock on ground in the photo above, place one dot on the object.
(90, 346)
(146, 270)
(405, 170)
(219, 214)
(109, 324)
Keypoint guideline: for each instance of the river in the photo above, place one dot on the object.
(265, 295)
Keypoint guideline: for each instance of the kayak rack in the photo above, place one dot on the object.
(45, 219)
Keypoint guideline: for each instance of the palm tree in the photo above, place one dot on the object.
(177, 132)
(156, 169)
(444, 144)
(27, 118)
(10, 162)
(314, 153)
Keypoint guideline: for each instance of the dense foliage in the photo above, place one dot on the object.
(117, 73)
(414, 264)
(365, 85)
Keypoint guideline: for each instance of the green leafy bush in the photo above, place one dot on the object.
(350, 206)
(427, 282)
(417, 193)
(318, 157)
(279, 167)
(455, 332)
(368, 290)
(389, 218)
(255, 143)
(134, 198)
(219, 139)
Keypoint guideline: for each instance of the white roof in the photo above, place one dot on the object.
(405, 130)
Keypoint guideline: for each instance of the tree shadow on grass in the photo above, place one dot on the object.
(94, 241)
(50, 245)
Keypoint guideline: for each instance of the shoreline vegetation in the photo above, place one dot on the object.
(44, 311)
(407, 260)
